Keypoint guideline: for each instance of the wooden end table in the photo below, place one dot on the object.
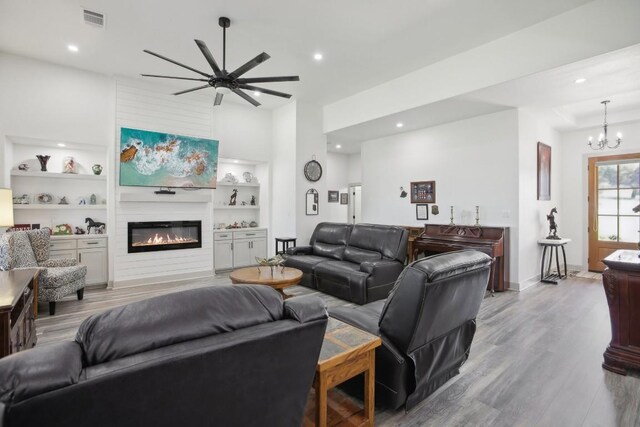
(278, 278)
(346, 352)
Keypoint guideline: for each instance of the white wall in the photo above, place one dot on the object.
(355, 168)
(573, 220)
(532, 219)
(337, 180)
(473, 161)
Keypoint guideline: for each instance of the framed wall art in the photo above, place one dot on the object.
(344, 198)
(422, 212)
(544, 172)
(312, 202)
(423, 192)
(334, 196)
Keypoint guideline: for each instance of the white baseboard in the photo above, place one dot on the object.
(119, 284)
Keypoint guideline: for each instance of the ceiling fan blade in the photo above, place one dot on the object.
(246, 97)
(191, 90)
(250, 65)
(263, 90)
(172, 77)
(177, 63)
(207, 54)
(269, 79)
(218, 99)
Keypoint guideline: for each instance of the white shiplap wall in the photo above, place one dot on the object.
(142, 106)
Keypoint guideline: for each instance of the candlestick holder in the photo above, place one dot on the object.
(477, 216)
(451, 223)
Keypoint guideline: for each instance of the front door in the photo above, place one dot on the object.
(614, 190)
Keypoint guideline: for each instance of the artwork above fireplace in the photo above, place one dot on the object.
(163, 236)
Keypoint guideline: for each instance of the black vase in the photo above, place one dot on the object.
(43, 162)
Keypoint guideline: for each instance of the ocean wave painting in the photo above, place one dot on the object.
(155, 159)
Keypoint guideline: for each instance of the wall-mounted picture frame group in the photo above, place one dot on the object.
(423, 192)
(422, 212)
(344, 198)
(544, 171)
(334, 196)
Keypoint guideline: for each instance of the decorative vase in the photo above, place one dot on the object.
(97, 169)
(43, 159)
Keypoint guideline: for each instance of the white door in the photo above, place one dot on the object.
(258, 249)
(355, 204)
(96, 262)
(223, 255)
(242, 253)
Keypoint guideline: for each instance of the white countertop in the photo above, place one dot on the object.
(226, 230)
(79, 236)
(553, 241)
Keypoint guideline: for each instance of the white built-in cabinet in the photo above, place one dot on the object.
(90, 251)
(239, 248)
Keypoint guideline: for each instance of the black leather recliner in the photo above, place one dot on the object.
(357, 263)
(223, 355)
(426, 325)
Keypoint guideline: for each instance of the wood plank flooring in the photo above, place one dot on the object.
(535, 360)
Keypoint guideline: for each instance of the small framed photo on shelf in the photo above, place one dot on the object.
(423, 192)
(422, 212)
(334, 196)
(344, 198)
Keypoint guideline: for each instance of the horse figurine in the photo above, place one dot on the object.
(93, 224)
(234, 195)
(553, 227)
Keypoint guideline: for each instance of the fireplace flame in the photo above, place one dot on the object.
(164, 240)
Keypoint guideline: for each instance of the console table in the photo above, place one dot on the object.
(18, 310)
(553, 244)
(621, 281)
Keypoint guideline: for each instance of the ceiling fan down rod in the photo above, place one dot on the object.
(224, 23)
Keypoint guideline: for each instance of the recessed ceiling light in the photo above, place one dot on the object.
(317, 56)
(256, 93)
(60, 144)
(399, 124)
(338, 146)
(581, 80)
(235, 161)
(72, 48)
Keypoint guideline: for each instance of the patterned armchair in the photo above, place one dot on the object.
(58, 277)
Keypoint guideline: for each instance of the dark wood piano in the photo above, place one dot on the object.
(493, 241)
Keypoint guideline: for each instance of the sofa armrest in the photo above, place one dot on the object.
(300, 250)
(59, 262)
(386, 271)
(305, 308)
(39, 370)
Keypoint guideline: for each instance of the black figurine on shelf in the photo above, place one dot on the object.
(253, 201)
(234, 195)
(553, 227)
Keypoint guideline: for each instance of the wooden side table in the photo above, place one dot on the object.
(18, 310)
(346, 352)
(553, 244)
(286, 242)
(621, 282)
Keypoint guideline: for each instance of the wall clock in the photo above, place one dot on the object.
(313, 171)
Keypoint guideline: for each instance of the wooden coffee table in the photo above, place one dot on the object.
(279, 278)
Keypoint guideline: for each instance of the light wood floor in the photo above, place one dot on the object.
(535, 360)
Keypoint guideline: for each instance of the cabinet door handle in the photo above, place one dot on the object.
(80, 257)
(231, 246)
(92, 243)
(251, 234)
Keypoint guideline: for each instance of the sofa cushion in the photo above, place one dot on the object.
(55, 277)
(358, 256)
(171, 319)
(332, 233)
(304, 263)
(328, 250)
(40, 240)
(342, 279)
(16, 251)
(390, 241)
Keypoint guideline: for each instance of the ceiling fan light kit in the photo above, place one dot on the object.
(221, 80)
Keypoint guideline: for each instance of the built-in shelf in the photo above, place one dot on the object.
(61, 207)
(58, 175)
(239, 184)
(237, 207)
(191, 197)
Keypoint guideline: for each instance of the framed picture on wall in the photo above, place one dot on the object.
(311, 207)
(423, 192)
(544, 172)
(344, 198)
(422, 212)
(334, 196)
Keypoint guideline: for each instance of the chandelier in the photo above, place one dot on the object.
(603, 141)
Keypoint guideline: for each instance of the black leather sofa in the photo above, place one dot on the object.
(357, 263)
(218, 356)
(426, 325)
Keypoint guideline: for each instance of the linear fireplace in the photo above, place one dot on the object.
(163, 235)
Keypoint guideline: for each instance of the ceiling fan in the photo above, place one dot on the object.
(223, 81)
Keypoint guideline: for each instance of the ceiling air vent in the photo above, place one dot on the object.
(95, 19)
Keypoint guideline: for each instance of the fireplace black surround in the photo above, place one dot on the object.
(163, 236)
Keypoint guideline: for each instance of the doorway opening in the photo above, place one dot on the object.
(355, 203)
(614, 190)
